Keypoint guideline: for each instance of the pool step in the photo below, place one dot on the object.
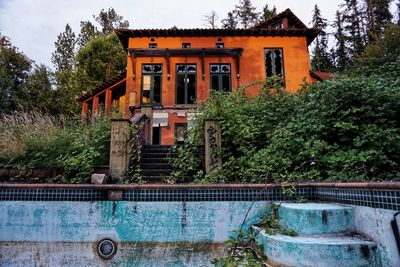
(325, 238)
(339, 250)
(316, 218)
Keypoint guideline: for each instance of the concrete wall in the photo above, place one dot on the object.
(148, 233)
(375, 224)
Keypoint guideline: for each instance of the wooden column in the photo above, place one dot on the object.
(148, 111)
(95, 107)
(108, 103)
(84, 111)
(212, 136)
(119, 157)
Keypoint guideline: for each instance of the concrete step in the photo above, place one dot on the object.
(153, 160)
(154, 155)
(144, 166)
(316, 218)
(155, 172)
(339, 250)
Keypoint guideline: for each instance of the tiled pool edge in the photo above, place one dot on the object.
(375, 195)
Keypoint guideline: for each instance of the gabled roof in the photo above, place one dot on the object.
(116, 79)
(285, 14)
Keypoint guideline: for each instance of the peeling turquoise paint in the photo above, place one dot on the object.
(123, 221)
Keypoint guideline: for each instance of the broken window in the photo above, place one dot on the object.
(219, 45)
(220, 76)
(152, 45)
(180, 133)
(186, 45)
(274, 62)
(151, 83)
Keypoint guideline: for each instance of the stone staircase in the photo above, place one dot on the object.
(154, 163)
(325, 238)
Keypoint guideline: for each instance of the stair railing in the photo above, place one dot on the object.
(140, 137)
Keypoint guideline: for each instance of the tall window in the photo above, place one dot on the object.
(220, 75)
(186, 83)
(274, 62)
(151, 83)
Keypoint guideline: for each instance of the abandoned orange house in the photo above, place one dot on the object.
(170, 69)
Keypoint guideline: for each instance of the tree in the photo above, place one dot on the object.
(378, 16)
(88, 31)
(211, 20)
(101, 59)
(230, 22)
(39, 92)
(268, 13)
(110, 20)
(353, 27)
(246, 13)
(63, 56)
(14, 71)
(321, 58)
(398, 12)
(383, 50)
(341, 57)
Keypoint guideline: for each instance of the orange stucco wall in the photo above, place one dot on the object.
(295, 57)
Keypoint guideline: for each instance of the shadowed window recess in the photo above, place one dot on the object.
(151, 83)
(220, 77)
(186, 83)
(274, 62)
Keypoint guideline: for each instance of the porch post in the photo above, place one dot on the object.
(107, 105)
(95, 107)
(84, 111)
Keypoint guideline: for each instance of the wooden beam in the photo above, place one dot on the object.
(108, 102)
(95, 107)
(84, 111)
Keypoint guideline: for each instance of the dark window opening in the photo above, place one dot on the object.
(180, 133)
(220, 75)
(152, 45)
(151, 83)
(186, 45)
(219, 45)
(274, 62)
(186, 83)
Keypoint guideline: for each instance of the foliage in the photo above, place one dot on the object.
(346, 129)
(246, 13)
(36, 140)
(230, 22)
(267, 12)
(321, 59)
(14, 72)
(63, 56)
(109, 21)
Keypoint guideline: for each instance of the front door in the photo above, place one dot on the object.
(186, 83)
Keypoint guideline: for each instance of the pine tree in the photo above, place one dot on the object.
(109, 21)
(378, 16)
(268, 13)
(63, 56)
(88, 31)
(230, 22)
(321, 59)
(246, 14)
(341, 57)
(354, 27)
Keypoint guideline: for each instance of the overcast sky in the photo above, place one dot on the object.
(33, 25)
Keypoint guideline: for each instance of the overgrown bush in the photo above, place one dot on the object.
(347, 129)
(35, 140)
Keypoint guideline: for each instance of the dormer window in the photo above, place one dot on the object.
(186, 45)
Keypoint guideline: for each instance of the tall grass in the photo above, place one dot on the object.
(19, 129)
(34, 139)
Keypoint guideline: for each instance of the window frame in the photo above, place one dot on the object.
(220, 74)
(185, 85)
(274, 71)
(151, 74)
(185, 134)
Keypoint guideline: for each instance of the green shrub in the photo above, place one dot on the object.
(346, 129)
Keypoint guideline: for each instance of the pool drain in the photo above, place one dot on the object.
(107, 249)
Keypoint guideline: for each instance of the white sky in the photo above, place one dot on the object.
(33, 25)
